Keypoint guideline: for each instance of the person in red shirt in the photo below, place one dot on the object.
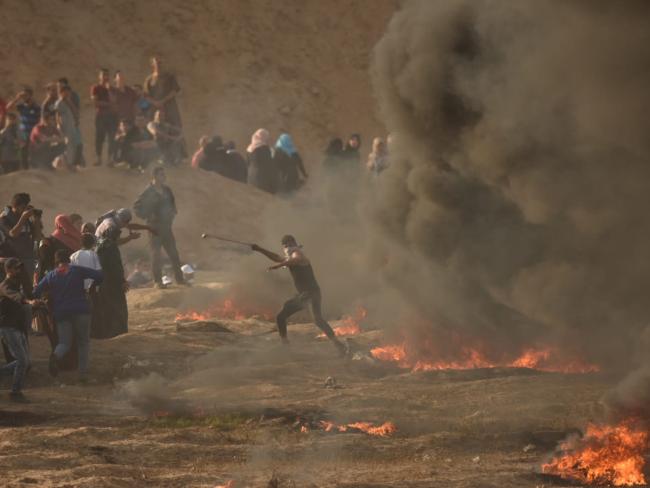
(46, 141)
(105, 118)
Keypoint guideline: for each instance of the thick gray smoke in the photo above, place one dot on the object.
(519, 180)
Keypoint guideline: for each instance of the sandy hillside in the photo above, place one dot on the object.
(295, 65)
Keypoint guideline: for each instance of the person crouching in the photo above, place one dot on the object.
(70, 307)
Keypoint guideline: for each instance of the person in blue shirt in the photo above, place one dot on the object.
(29, 114)
(67, 296)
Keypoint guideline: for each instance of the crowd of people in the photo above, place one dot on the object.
(136, 125)
(71, 285)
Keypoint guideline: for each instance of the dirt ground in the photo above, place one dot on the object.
(199, 404)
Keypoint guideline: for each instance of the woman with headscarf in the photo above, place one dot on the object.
(262, 172)
(351, 151)
(65, 236)
(110, 315)
(378, 157)
(289, 164)
(333, 155)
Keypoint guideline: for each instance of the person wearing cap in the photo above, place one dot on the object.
(309, 293)
(15, 316)
(70, 308)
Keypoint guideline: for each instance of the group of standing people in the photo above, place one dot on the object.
(137, 124)
(79, 274)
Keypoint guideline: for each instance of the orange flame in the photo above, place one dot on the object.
(223, 310)
(350, 324)
(606, 454)
(229, 484)
(384, 430)
(546, 359)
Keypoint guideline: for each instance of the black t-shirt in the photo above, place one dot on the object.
(23, 244)
(304, 278)
(12, 313)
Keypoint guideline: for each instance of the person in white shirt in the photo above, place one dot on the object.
(86, 257)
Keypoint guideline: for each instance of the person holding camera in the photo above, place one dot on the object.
(23, 227)
(29, 113)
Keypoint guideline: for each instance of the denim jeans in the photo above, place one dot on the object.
(74, 327)
(16, 341)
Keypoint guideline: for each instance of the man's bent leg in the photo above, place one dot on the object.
(322, 324)
(64, 329)
(16, 342)
(82, 333)
(288, 309)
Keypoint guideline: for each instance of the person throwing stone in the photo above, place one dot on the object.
(306, 285)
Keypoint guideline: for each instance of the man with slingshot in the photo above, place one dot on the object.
(306, 285)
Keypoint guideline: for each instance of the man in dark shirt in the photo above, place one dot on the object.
(157, 206)
(105, 119)
(29, 113)
(125, 99)
(13, 319)
(70, 308)
(306, 285)
(24, 227)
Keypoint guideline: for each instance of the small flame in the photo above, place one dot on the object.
(606, 454)
(229, 484)
(350, 324)
(545, 359)
(384, 430)
(227, 309)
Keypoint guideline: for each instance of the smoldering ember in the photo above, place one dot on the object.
(309, 243)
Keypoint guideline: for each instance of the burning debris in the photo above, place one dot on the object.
(605, 455)
(351, 324)
(227, 309)
(384, 430)
(425, 357)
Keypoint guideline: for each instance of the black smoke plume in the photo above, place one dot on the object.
(516, 206)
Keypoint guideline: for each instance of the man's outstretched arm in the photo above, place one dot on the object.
(269, 254)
